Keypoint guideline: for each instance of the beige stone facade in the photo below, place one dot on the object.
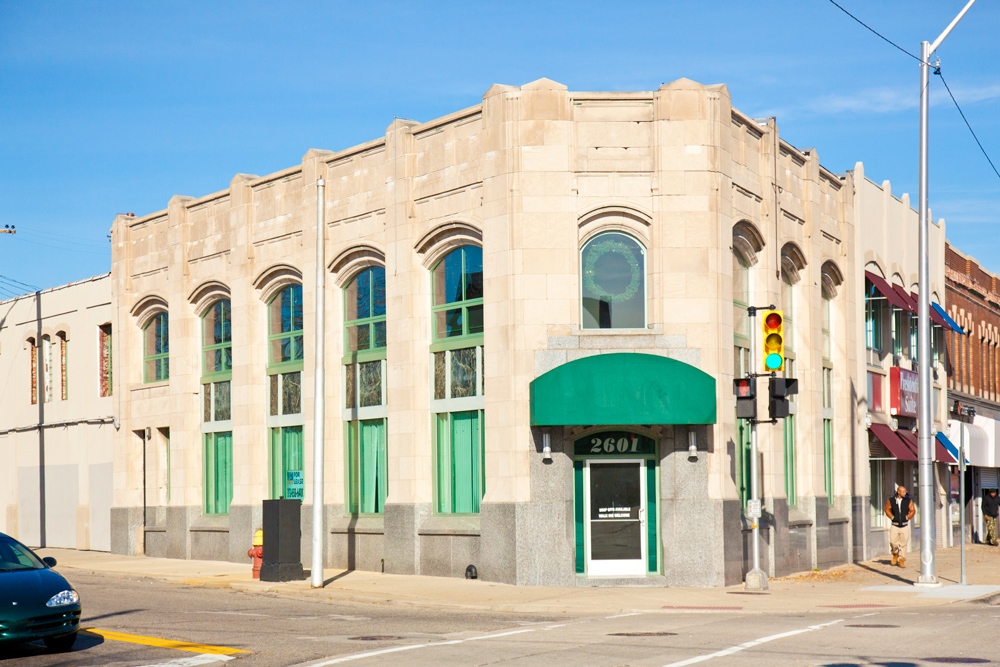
(57, 425)
(889, 249)
(721, 209)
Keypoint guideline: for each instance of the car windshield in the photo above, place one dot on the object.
(15, 556)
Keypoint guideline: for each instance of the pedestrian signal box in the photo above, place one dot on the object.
(779, 389)
(774, 341)
(746, 398)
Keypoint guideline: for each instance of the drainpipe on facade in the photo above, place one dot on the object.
(316, 569)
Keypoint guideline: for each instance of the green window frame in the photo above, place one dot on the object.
(365, 316)
(217, 342)
(874, 305)
(459, 452)
(367, 465)
(457, 298)
(156, 349)
(790, 467)
(287, 454)
(285, 325)
(217, 465)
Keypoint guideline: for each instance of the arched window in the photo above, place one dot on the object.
(365, 410)
(830, 279)
(33, 363)
(458, 293)
(156, 349)
(217, 425)
(284, 370)
(613, 290)
(457, 399)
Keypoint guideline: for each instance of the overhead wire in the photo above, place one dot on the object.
(15, 281)
(937, 71)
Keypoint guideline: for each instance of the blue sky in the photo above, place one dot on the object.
(116, 106)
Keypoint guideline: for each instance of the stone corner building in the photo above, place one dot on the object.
(546, 269)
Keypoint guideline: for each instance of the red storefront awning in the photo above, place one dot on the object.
(890, 294)
(896, 445)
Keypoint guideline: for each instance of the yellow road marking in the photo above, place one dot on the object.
(164, 643)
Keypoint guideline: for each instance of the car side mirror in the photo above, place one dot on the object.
(50, 561)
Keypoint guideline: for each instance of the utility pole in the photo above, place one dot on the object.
(925, 433)
(319, 400)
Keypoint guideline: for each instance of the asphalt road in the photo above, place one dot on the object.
(135, 621)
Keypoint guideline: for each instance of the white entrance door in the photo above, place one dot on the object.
(615, 507)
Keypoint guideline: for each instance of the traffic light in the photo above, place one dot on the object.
(746, 398)
(774, 341)
(779, 389)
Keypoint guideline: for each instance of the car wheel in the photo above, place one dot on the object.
(61, 643)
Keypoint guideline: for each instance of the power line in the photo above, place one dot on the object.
(14, 281)
(876, 32)
(106, 253)
(937, 71)
(61, 236)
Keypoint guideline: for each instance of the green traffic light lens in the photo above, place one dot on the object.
(773, 361)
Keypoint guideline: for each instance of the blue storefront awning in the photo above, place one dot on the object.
(949, 447)
(952, 324)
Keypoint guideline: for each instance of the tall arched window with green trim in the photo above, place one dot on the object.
(156, 349)
(216, 392)
(457, 401)
(284, 371)
(613, 277)
(365, 410)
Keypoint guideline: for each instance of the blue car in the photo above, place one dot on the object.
(36, 602)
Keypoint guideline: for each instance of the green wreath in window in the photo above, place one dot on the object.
(599, 250)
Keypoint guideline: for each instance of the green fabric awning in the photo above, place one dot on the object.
(623, 388)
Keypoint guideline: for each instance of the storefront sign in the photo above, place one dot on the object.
(903, 392)
(614, 443)
(294, 485)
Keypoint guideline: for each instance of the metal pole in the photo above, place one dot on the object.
(924, 418)
(319, 399)
(925, 464)
(961, 497)
(756, 579)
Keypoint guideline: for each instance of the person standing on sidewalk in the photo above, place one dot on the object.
(991, 507)
(900, 509)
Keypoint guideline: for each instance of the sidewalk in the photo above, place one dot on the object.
(869, 585)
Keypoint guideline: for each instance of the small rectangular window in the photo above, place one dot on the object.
(63, 368)
(33, 363)
(105, 363)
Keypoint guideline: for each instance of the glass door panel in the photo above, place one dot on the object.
(616, 518)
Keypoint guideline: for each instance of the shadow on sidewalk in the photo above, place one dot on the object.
(332, 579)
(888, 575)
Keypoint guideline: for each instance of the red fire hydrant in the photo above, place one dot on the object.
(257, 552)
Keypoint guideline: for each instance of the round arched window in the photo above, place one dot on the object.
(613, 267)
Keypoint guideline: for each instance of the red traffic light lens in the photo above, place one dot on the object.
(772, 321)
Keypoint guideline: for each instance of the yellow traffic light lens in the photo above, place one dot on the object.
(773, 342)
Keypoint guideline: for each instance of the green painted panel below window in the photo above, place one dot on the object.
(218, 472)
(623, 388)
(828, 458)
(372, 473)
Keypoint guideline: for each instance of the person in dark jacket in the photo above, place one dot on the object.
(900, 509)
(991, 507)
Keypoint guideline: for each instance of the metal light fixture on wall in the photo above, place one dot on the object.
(692, 445)
(546, 447)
